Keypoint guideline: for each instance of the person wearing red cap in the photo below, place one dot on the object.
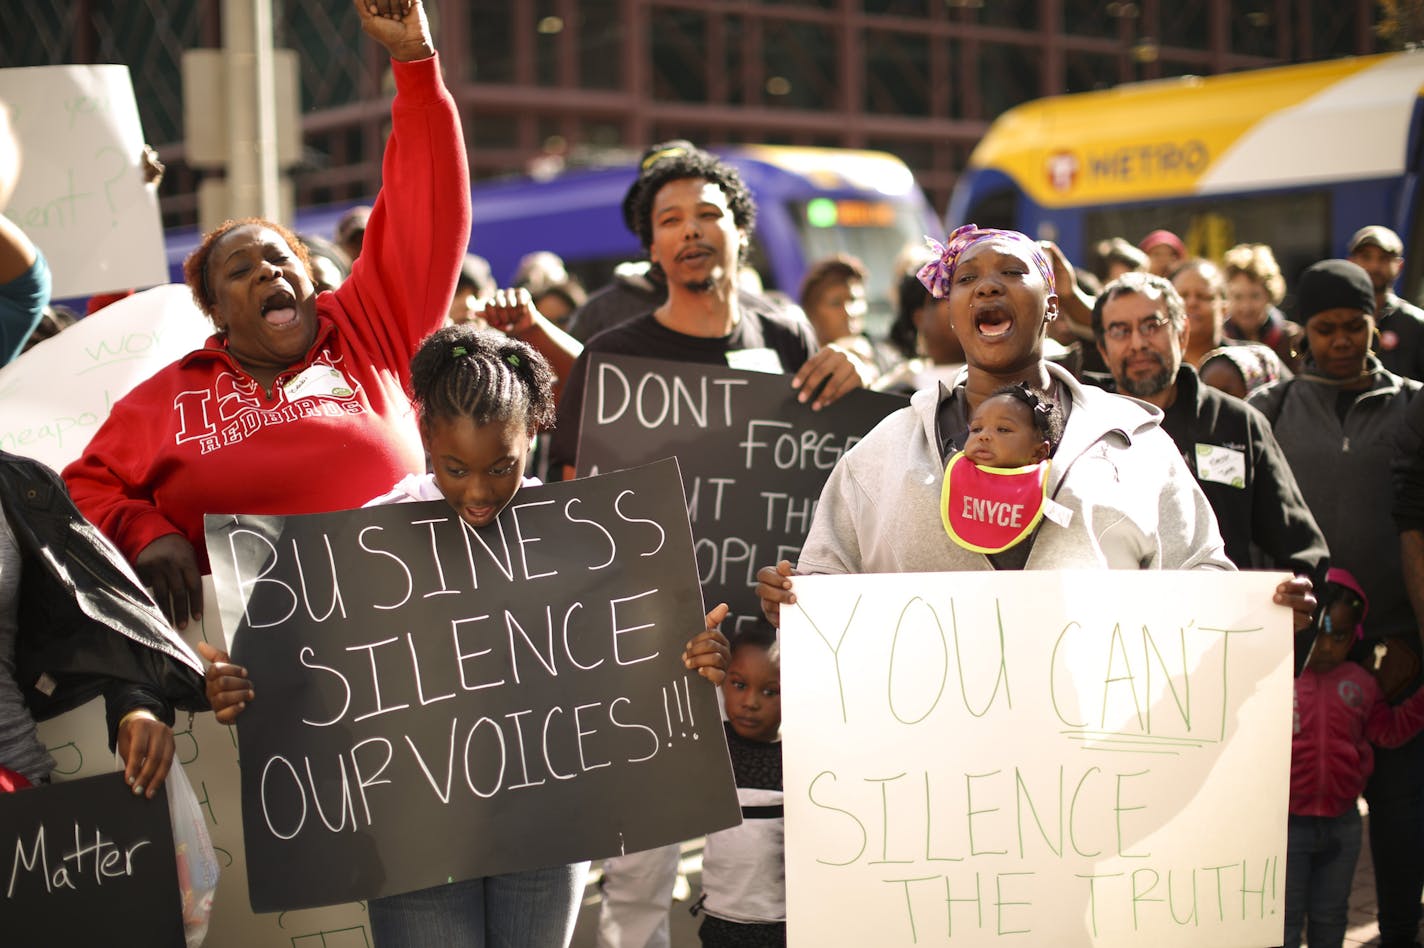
(1165, 252)
(1380, 252)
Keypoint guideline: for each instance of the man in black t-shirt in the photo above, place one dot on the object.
(694, 216)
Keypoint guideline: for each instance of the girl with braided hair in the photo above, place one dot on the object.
(480, 397)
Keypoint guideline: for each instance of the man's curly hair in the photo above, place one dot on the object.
(675, 163)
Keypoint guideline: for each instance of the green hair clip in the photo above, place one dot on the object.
(459, 351)
(512, 359)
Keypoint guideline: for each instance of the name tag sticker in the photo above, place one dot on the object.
(1221, 465)
(318, 381)
(755, 360)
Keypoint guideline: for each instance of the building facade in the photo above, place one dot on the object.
(544, 82)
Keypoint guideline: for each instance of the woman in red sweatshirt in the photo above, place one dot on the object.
(1339, 712)
(296, 404)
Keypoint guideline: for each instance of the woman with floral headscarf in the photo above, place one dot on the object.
(1121, 496)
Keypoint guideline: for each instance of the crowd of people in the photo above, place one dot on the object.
(1237, 435)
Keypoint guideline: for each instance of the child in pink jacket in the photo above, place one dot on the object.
(1339, 712)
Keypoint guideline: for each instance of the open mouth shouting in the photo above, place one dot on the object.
(993, 322)
(279, 309)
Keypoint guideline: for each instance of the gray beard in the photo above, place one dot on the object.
(1146, 388)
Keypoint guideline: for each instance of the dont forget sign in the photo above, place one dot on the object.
(435, 702)
(753, 458)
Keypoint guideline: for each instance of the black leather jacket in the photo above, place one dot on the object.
(86, 626)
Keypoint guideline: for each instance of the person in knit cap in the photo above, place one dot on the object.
(1337, 422)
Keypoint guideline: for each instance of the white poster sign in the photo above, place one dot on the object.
(1036, 758)
(81, 196)
(55, 396)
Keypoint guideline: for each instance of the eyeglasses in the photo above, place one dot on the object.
(1148, 328)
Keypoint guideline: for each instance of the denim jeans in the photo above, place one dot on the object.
(534, 909)
(1321, 852)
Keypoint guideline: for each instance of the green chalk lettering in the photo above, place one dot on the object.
(949, 900)
(836, 650)
(1119, 810)
(1226, 635)
(1021, 797)
(970, 813)
(909, 903)
(944, 666)
(1116, 648)
(1000, 903)
(1220, 901)
(885, 821)
(1246, 890)
(1093, 895)
(1073, 812)
(1183, 701)
(1172, 901)
(1139, 894)
(864, 837)
(1002, 679)
(1053, 679)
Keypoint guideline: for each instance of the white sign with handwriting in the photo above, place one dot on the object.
(1065, 758)
(81, 196)
(55, 396)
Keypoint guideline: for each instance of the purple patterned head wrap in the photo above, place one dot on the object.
(938, 274)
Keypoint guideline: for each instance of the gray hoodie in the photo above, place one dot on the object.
(1125, 498)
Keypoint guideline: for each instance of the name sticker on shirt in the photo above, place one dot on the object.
(318, 381)
(755, 360)
(1221, 465)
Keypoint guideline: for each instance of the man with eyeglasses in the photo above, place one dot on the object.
(1140, 325)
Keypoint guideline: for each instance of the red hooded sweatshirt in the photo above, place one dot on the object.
(201, 436)
(1338, 715)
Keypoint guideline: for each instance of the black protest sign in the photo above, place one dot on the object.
(753, 458)
(434, 702)
(88, 863)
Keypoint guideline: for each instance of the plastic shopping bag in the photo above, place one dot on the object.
(197, 863)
